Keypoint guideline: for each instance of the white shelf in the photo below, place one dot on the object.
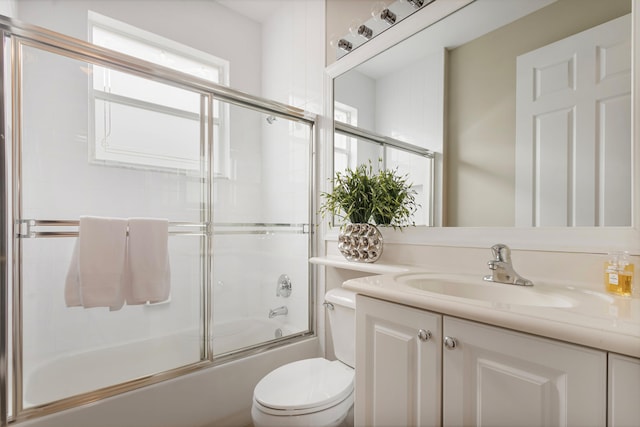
(375, 268)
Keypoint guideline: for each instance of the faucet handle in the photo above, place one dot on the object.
(501, 252)
(283, 288)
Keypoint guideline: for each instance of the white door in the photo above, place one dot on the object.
(573, 130)
(398, 367)
(496, 377)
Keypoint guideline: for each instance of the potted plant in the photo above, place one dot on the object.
(361, 196)
(394, 201)
(352, 195)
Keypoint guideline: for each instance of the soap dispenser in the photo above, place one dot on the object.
(618, 274)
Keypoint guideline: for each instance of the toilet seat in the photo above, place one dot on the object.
(304, 387)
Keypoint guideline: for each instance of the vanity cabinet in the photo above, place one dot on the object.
(398, 359)
(420, 368)
(497, 377)
(624, 391)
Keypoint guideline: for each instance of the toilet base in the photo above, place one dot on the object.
(340, 415)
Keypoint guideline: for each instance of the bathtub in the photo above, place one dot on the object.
(88, 371)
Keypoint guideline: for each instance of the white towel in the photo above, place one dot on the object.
(72, 282)
(96, 272)
(148, 274)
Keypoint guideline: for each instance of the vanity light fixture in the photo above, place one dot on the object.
(365, 31)
(388, 16)
(416, 3)
(381, 11)
(345, 45)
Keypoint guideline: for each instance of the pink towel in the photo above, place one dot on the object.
(148, 274)
(97, 267)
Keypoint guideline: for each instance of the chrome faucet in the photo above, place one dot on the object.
(280, 311)
(502, 269)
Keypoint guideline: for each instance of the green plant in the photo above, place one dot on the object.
(360, 195)
(352, 195)
(394, 201)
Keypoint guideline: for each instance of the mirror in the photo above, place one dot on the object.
(460, 88)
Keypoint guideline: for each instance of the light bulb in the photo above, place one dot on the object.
(388, 16)
(345, 45)
(415, 3)
(365, 31)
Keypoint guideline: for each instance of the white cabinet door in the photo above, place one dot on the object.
(495, 377)
(398, 374)
(624, 391)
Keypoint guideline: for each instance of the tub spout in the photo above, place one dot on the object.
(280, 311)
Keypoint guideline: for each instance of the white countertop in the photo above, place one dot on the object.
(594, 319)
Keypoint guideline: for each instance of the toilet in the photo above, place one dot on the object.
(313, 392)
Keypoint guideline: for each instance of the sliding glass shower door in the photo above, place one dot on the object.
(261, 230)
(99, 135)
(101, 142)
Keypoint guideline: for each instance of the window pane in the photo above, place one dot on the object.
(135, 135)
(151, 52)
(114, 82)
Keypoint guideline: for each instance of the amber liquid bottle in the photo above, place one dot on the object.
(618, 275)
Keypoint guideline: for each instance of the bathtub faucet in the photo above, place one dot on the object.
(280, 311)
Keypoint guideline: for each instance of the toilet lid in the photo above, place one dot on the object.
(305, 384)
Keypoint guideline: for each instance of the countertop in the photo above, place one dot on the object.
(594, 319)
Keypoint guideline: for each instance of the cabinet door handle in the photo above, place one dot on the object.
(450, 343)
(424, 335)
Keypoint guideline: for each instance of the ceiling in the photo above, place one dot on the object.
(258, 10)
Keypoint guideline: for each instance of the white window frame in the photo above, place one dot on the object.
(351, 144)
(99, 150)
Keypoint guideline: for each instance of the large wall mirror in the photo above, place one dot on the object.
(525, 103)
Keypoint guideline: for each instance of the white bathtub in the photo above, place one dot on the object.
(87, 371)
(218, 396)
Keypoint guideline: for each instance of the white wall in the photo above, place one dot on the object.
(358, 91)
(8, 8)
(203, 25)
(409, 103)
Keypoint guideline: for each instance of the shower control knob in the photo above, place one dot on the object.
(424, 335)
(450, 343)
(284, 286)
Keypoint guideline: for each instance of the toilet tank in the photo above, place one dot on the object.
(342, 321)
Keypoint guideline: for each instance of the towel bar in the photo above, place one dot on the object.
(28, 228)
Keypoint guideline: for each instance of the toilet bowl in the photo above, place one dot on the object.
(313, 392)
(310, 392)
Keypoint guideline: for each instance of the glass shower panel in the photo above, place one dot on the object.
(261, 231)
(419, 172)
(153, 165)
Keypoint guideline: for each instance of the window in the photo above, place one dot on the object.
(345, 147)
(142, 123)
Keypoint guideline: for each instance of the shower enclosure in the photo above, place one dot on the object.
(90, 132)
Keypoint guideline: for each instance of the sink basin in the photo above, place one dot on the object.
(474, 288)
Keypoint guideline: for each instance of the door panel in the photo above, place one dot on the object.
(573, 138)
